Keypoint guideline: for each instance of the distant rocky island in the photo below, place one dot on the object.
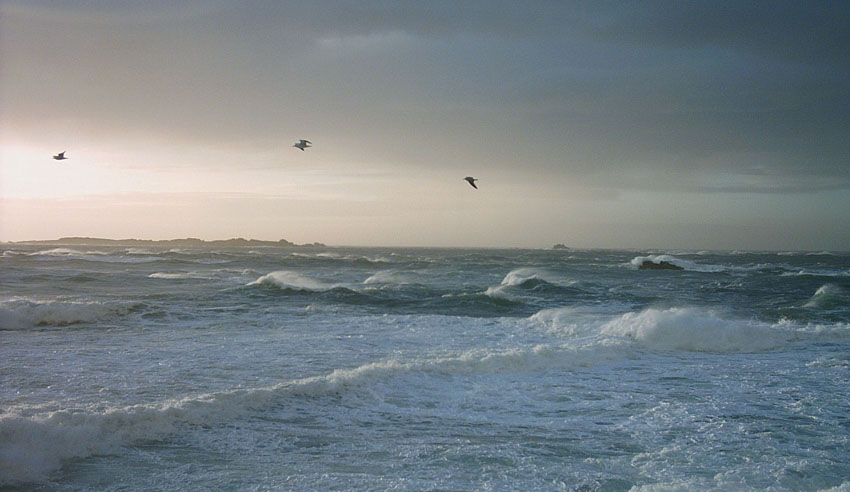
(190, 242)
(661, 265)
(560, 246)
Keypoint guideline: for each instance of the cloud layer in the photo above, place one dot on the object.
(699, 97)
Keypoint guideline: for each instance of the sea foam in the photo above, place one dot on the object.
(31, 447)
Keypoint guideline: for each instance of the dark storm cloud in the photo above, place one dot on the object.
(807, 32)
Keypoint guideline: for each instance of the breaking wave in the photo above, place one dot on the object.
(697, 330)
(828, 296)
(288, 280)
(32, 446)
(389, 277)
(19, 314)
(682, 328)
(524, 280)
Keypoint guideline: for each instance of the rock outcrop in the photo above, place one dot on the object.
(661, 265)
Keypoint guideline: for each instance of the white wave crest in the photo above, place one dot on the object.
(681, 328)
(140, 251)
(66, 252)
(827, 295)
(844, 487)
(517, 277)
(291, 280)
(18, 314)
(98, 256)
(389, 277)
(520, 275)
(816, 272)
(501, 292)
(685, 264)
(181, 275)
(696, 330)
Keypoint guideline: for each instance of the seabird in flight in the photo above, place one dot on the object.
(303, 144)
(471, 181)
(60, 156)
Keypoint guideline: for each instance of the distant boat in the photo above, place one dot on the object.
(303, 144)
(471, 181)
(60, 156)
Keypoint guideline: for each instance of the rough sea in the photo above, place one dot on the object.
(422, 369)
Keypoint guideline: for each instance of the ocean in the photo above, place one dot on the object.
(338, 368)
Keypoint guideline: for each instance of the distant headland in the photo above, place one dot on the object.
(189, 242)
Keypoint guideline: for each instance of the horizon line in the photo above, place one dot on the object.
(286, 243)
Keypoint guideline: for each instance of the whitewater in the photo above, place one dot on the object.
(321, 368)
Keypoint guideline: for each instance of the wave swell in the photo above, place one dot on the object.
(33, 446)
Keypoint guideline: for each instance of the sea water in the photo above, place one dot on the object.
(422, 369)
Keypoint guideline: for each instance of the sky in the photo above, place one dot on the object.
(596, 124)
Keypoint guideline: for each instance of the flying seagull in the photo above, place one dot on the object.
(471, 181)
(303, 144)
(60, 156)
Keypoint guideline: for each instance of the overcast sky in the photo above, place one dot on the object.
(702, 125)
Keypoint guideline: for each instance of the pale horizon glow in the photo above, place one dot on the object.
(609, 126)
